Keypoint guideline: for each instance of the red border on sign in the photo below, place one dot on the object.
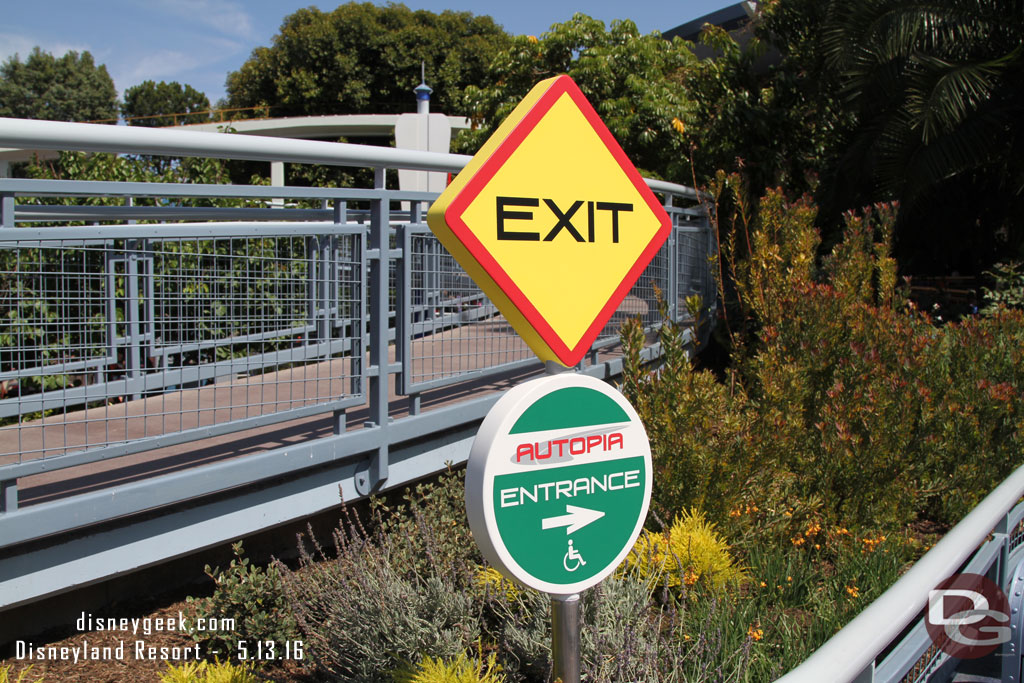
(453, 217)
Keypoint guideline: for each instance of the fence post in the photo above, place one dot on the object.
(9, 495)
(133, 354)
(6, 210)
(403, 308)
(867, 675)
(338, 216)
(325, 285)
(673, 264)
(1002, 530)
(379, 370)
(1009, 652)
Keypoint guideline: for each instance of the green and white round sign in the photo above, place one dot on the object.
(558, 482)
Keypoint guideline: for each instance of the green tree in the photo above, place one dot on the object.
(164, 104)
(633, 80)
(68, 88)
(360, 58)
(766, 106)
(937, 88)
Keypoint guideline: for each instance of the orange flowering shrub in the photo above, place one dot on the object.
(841, 395)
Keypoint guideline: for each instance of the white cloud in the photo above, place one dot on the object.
(19, 44)
(156, 65)
(225, 46)
(189, 41)
(226, 16)
(201, 65)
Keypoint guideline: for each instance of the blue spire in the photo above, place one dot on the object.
(423, 90)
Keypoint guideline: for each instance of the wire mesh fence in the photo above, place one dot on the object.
(103, 341)
(642, 302)
(114, 336)
(694, 272)
(455, 329)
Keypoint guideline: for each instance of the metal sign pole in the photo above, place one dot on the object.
(565, 612)
(565, 638)
(555, 368)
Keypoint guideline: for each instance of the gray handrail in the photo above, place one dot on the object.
(851, 652)
(93, 137)
(665, 186)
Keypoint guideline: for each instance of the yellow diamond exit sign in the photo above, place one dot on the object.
(552, 221)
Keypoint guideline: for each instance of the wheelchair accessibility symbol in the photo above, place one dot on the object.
(572, 560)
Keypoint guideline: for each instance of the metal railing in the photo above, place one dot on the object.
(151, 316)
(226, 115)
(989, 541)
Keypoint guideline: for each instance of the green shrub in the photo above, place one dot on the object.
(431, 520)
(252, 597)
(630, 635)
(844, 408)
(1008, 287)
(688, 552)
(491, 580)
(405, 594)
(375, 607)
(205, 672)
(801, 591)
(362, 615)
(459, 670)
(519, 626)
(699, 428)
(884, 415)
(976, 435)
(406, 589)
(842, 400)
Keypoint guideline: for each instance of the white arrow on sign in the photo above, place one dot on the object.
(576, 519)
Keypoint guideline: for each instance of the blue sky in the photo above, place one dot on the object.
(199, 41)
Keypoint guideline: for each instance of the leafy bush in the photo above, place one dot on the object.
(803, 590)
(690, 550)
(459, 670)
(1007, 289)
(363, 616)
(843, 400)
(401, 592)
(491, 580)
(431, 520)
(845, 416)
(634, 632)
(699, 428)
(205, 672)
(252, 597)
(873, 408)
(406, 596)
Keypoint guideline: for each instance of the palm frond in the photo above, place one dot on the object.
(935, 85)
(942, 94)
